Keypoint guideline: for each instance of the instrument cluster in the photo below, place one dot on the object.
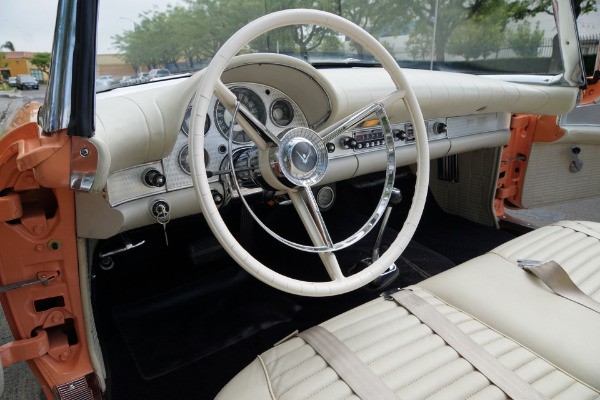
(273, 108)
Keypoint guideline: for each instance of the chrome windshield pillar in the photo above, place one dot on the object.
(70, 98)
(568, 35)
(55, 113)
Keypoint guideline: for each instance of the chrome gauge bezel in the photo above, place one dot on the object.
(258, 102)
(185, 124)
(181, 158)
(182, 162)
(291, 109)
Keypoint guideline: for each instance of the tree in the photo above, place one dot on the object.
(477, 37)
(522, 9)
(42, 62)
(418, 44)
(378, 17)
(8, 45)
(524, 41)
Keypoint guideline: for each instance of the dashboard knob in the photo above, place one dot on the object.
(399, 134)
(217, 197)
(440, 128)
(153, 178)
(330, 147)
(349, 143)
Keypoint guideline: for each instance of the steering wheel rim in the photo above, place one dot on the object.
(210, 82)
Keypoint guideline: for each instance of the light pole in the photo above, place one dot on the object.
(137, 58)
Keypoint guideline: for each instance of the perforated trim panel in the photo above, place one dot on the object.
(548, 169)
(576, 252)
(409, 358)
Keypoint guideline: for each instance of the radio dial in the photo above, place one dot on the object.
(440, 128)
(349, 143)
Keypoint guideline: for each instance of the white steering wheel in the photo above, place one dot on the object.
(294, 175)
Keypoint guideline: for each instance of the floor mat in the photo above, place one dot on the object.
(190, 322)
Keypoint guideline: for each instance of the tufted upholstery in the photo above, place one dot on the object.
(548, 341)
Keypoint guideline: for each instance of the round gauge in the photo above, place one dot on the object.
(282, 112)
(185, 126)
(223, 118)
(184, 159)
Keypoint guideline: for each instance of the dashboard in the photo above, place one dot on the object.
(141, 133)
(278, 112)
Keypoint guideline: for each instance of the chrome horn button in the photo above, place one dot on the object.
(302, 157)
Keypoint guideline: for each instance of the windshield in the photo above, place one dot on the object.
(477, 36)
(474, 36)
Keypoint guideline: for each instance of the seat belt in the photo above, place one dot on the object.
(500, 375)
(557, 279)
(361, 379)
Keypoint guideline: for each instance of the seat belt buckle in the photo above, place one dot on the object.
(523, 263)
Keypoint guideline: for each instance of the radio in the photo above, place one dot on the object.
(374, 137)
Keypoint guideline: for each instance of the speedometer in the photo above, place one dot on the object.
(224, 119)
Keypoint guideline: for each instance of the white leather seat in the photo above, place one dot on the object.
(549, 341)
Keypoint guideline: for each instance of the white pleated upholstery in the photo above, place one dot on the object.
(576, 252)
(410, 359)
(550, 342)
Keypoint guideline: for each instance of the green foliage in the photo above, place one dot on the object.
(8, 45)
(526, 8)
(477, 37)
(3, 62)
(41, 61)
(418, 44)
(524, 41)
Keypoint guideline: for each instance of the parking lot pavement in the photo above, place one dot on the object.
(11, 100)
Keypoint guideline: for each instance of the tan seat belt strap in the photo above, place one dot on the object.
(505, 379)
(361, 379)
(557, 279)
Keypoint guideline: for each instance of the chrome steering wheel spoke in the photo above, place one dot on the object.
(335, 130)
(308, 210)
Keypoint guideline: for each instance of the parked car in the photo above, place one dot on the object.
(158, 73)
(126, 80)
(12, 81)
(142, 77)
(166, 240)
(26, 82)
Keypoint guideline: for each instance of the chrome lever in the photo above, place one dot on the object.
(128, 246)
(42, 278)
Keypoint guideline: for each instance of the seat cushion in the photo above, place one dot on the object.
(405, 354)
(575, 251)
(493, 289)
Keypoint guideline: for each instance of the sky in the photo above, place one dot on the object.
(35, 32)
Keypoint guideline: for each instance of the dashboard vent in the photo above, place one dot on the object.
(448, 168)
